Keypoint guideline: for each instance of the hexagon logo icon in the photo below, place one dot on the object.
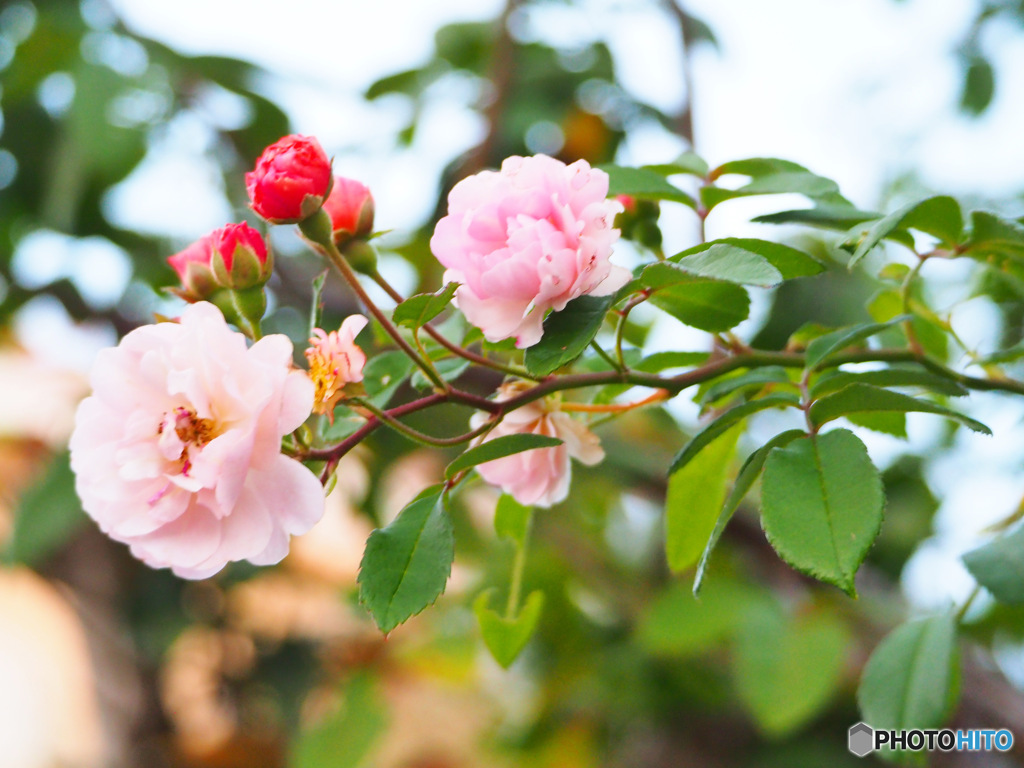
(861, 739)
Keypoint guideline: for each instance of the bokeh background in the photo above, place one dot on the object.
(125, 129)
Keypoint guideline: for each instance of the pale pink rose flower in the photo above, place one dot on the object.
(334, 361)
(177, 453)
(538, 477)
(527, 239)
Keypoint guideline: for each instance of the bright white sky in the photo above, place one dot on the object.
(862, 91)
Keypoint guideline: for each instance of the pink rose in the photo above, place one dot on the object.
(334, 361)
(350, 206)
(234, 256)
(291, 180)
(527, 239)
(177, 452)
(539, 477)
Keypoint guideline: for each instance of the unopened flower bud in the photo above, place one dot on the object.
(195, 269)
(350, 206)
(241, 258)
(234, 257)
(291, 180)
(628, 202)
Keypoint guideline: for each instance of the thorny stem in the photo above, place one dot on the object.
(620, 329)
(455, 349)
(806, 402)
(415, 434)
(605, 356)
(908, 325)
(673, 385)
(330, 250)
(659, 396)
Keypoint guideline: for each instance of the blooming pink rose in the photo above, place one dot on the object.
(234, 256)
(350, 206)
(291, 180)
(538, 477)
(334, 361)
(527, 239)
(177, 452)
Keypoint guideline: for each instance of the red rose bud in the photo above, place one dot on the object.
(194, 268)
(628, 202)
(350, 206)
(291, 180)
(240, 257)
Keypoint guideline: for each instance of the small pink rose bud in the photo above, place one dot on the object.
(240, 257)
(334, 362)
(350, 206)
(628, 202)
(195, 270)
(234, 256)
(291, 180)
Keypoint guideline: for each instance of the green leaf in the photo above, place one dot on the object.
(930, 330)
(506, 637)
(724, 422)
(994, 237)
(748, 474)
(49, 514)
(822, 503)
(835, 217)
(731, 264)
(567, 334)
(758, 166)
(936, 216)
(678, 624)
(979, 86)
(788, 670)
(498, 448)
(823, 347)
(771, 176)
(417, 311)
(1010, 355)
(693, 499)
(886, 422)
(755, 379)
(747, 261)
(512, 519)
(912, 679)
(383, 374)
(661, 361)
(858, 398)
(407, 563)
(999, 566)
(345, 739)
(710, 305)
(832, 381)
(645, 183)
(688, 163)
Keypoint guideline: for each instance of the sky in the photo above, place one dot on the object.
(861, 91)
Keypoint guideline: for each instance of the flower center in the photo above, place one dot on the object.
(192, 429)
(326, 373)
(182, 429)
